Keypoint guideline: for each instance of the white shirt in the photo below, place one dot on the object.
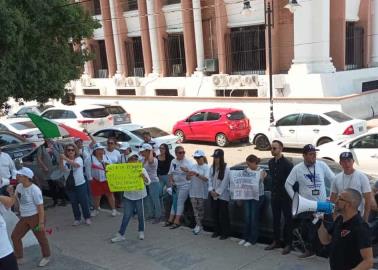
(198, 187)
(7, 167)
(140, 194)
(357, 180)
(114, 156)
(305, 177)
(179, 176)
(78, 173)
(222, 187)
(29, 198)
(95, 169)
(5, 245)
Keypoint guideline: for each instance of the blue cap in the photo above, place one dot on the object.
(346, 155)
(308, 148)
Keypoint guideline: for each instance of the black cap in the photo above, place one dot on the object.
(308, 148)
(346, 155)
(218, 153)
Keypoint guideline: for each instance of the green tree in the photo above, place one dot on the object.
(36, 58)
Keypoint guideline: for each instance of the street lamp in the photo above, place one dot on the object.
(292, 5)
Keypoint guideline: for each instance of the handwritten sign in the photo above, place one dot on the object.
(244, 185)
(125, 177)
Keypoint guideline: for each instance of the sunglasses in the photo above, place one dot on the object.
(162, 148)
(70, 150)
(274, 148)
(197, 157)
(111, 143)
(180, 153)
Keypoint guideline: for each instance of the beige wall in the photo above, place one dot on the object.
(338, 34)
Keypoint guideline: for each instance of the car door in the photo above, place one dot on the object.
(285, 130)
(309, 129)
(195, 126)
(365, 152)
(211, 126)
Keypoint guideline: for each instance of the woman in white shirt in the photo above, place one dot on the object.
(133, 201)
(72, 165)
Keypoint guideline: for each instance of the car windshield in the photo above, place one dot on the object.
(95, 113)
(115, 110)
(23, 125)
(338, 116)
(238, 115)
(155, 132)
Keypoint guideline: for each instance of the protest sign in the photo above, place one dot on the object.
(244, 185)
(125, 177)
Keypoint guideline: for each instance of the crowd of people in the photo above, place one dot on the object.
(79, 174)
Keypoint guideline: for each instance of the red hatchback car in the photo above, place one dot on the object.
(219, 125)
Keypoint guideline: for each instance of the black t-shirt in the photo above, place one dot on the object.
(164, 165)
(348, 238)
(279, 171)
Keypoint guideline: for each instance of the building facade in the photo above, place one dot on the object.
(210, 48)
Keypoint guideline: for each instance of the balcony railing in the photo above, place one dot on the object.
(174, 45)
(354, 46)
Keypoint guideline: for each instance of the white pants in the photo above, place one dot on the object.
(182, 195)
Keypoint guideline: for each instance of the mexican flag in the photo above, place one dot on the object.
(51, 129)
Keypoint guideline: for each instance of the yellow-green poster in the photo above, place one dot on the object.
(124, 177)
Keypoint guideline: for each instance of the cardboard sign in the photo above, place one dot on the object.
(244, 185)
(125, 177)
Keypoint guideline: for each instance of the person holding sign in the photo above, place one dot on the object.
(250, 188)
(219, 181)
(133, 201)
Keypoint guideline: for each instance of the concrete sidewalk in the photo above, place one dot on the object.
(89, 247)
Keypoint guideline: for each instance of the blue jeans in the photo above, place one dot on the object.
(90, 199)
(128, 211)
(79, 196)
(153, 204)
(252, 209)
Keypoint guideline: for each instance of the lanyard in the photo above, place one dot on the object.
(312, 175)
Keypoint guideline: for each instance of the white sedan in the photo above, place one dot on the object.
(363, 147)
(23, 127)
(298, 129)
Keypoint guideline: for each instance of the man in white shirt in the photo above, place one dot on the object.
(355, 179)
(310, 175)
(7, 171)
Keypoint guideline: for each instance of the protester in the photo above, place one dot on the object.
(133, 201)
(310, 175)
(148, 139)
(125, 150)
(96, 173)
(219, 180)
(72, 165)
(349, 236)
(84, 152)
(177, 174)
(164, 163)
(113, 155)
(7, 171)
(150, 163)
(355, 179)
(7, 258)
(280, 168)
(199, 177)
(30, 199)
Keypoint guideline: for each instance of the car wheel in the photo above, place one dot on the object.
(180, 135)
(323, 141)
(221, 140)
(262, 142)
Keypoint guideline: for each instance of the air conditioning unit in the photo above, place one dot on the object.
(177, 69)
(234, 80)
(279, 82)
(220, 80)
(139, 72)
(118, 80)
(103, 73)
(211, 65)
(132, 82)
(250, 80)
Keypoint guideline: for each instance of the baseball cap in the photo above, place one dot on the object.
(25, 172)
(308, 148)
(199, 153)
(133, 154)
(98, 146)
(346, 155)
(218, 153)
(124, 146)
(76, 139)
(145, 147)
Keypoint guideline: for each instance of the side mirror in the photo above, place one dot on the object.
(273, 124)
(348, 146)
(188, 120)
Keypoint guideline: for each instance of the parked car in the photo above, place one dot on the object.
(89, 117)
(298, 129)
(120, 115)
(16, 146)
(133, 134)
(363, 147)
(22, 126)
(219, 125)
(37, 109)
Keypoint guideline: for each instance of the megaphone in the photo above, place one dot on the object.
(301, 204)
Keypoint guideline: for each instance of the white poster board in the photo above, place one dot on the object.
(244, 185)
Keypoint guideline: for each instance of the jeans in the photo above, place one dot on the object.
(221, 217)
(128, 210)
(89, 193)
(56, 190)
(163, 180)
(79, 196)
(252, 209)
(9, 262)
(282, 206)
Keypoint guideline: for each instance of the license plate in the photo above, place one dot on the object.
(18, 154)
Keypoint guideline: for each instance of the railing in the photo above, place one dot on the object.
(354, 46)
(128, 5)
(175, 52)
(135, 63)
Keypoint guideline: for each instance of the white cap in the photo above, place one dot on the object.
(145, 146)
(132, 154)
(4, 182)
(124, 146)
(25, 172)
(98, 146)
(199, 153)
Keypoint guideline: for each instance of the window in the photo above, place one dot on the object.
(236, 93)
(154, 131)
(6, 139)
(96, 7)
(59, 114)
(197, 117)
(290, 120)
(68, 115)
(126, 92)
(128, 5)
(115, 110)
(368, 86)
(323, 121)
(368, 141)
(166, 92)
(310, 120)
(239, 115)
(135, 61)
(95, 113)
(354, 46)
(175, 54)
(171, 2)
(48, 114)
(338, 116)
(121, 136)
(212, 116)
(23, 125)
(104, 134)
(2, 127)
(91, 91)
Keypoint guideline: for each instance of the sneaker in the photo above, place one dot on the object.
(114, 212)
(197, 230)
(45, 261)
(76, 223)
(88, 221)
(141, 235)
(286, 250)
(118, 238)
(272, 246)
(247, 244)
(95, 213)
(306, 254)
(242, 242)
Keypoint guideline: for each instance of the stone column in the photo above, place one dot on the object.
(189, 39)
(312, 38)
(221, 30)
(115, 37)
(145, 36)
(197, 17)
(153, 37)
(374, 40)
(108, 37)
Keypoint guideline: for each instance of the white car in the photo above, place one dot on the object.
(298, 129)
(363, 147)
(89, 117)
(133, 134)
(23, 127)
